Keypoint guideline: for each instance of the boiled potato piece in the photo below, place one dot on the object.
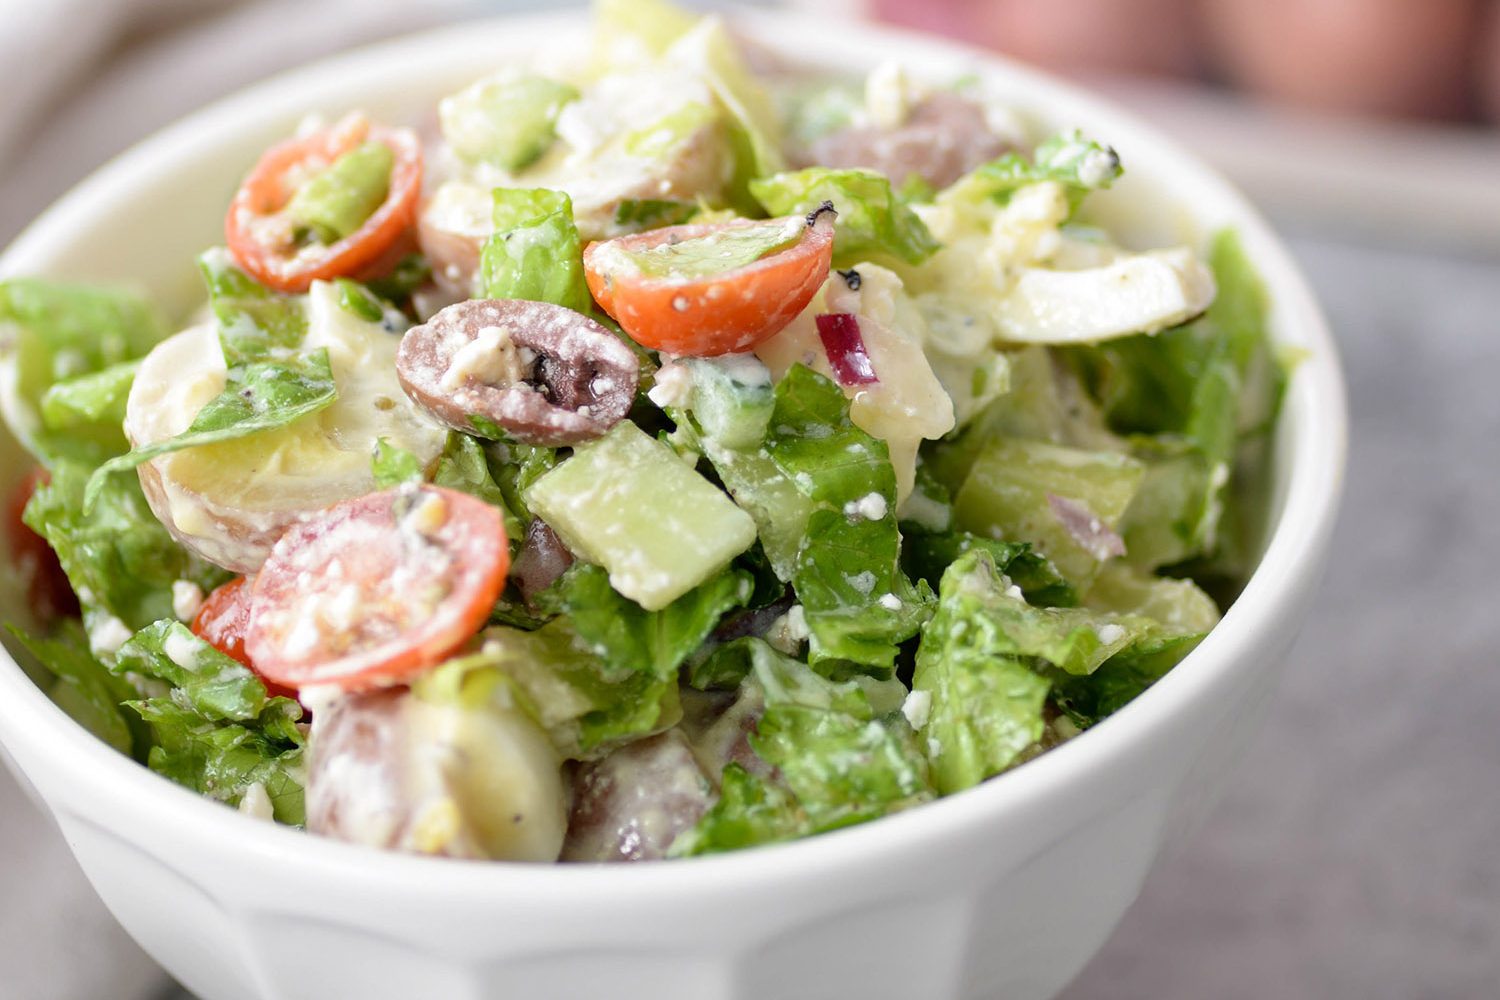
(229, 502)
(390, 769)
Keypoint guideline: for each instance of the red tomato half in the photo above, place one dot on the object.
(374, 590)
(717, 313)
(222, 623)
(260, 240)
(47, 590)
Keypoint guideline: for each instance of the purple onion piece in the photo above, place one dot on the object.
(846, 349)
(1086, 528)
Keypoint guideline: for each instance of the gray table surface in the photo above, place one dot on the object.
(1357, 851)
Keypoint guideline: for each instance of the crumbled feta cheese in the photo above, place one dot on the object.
(788, 632)
(491, 358)
(674, 385)
(871, 507)
(187, 599)
(890, 602)
(888, 97)
(1110, 633)
(106, 635)
(1014, 593)
(182, 649)
(917, 708)
(256, 803)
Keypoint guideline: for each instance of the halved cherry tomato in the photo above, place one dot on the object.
(376, 589)
(261, 239)
(715, 313)
(47, 590)
(222, 623)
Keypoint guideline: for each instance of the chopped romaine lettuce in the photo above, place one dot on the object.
(1079, 164)
(652, 642)
(84, 688)
(535, 253)
(842, 753)
(54, 334)
(217, 731)
(119, 559)
(873, 223)
(858, 603)
(586, 705)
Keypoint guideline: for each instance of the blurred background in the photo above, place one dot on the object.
(1355, 854)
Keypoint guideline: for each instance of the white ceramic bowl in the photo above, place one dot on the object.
(1002, 891)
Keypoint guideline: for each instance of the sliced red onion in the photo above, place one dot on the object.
(846, 349)
(1086, 527)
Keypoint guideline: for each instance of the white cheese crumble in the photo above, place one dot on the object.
(890, 602)
(674, 386)
(256, 803)
(187, 600)
(871, 507)
(1110, 633)
(888, 97)
(917, 708)
(788, 632)
(1014, 593)
(106, 635)
(181, 649)
(491, 358)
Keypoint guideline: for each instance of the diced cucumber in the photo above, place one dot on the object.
(731, 399)
(336, 202)
(506, 120)
(1007, 490)
(628, 503)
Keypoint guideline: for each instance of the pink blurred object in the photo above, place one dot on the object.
(1380, 57)
(1088, 37)
(1489, 68)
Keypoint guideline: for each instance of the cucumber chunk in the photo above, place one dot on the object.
(628, 503)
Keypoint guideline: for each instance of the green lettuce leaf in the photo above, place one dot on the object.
(535, 252)
(1190, 396)
(624, 635)
(84, 688)
(119, 559)
(926, 555)
(508, 119)
(749, 812)
(1079, 164)
(215, 730)
(54, 334)
(86, 401)
(859, 604)
(586, 705)
(873, 223)
(988, 661)
(842, 753)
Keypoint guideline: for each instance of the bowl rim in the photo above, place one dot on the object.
(1315, 445)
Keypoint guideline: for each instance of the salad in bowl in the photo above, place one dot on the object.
(658, 455)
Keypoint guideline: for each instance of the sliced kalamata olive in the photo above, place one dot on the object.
(543, 374)
(631, 805)
(542, 559)
(943, 138)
